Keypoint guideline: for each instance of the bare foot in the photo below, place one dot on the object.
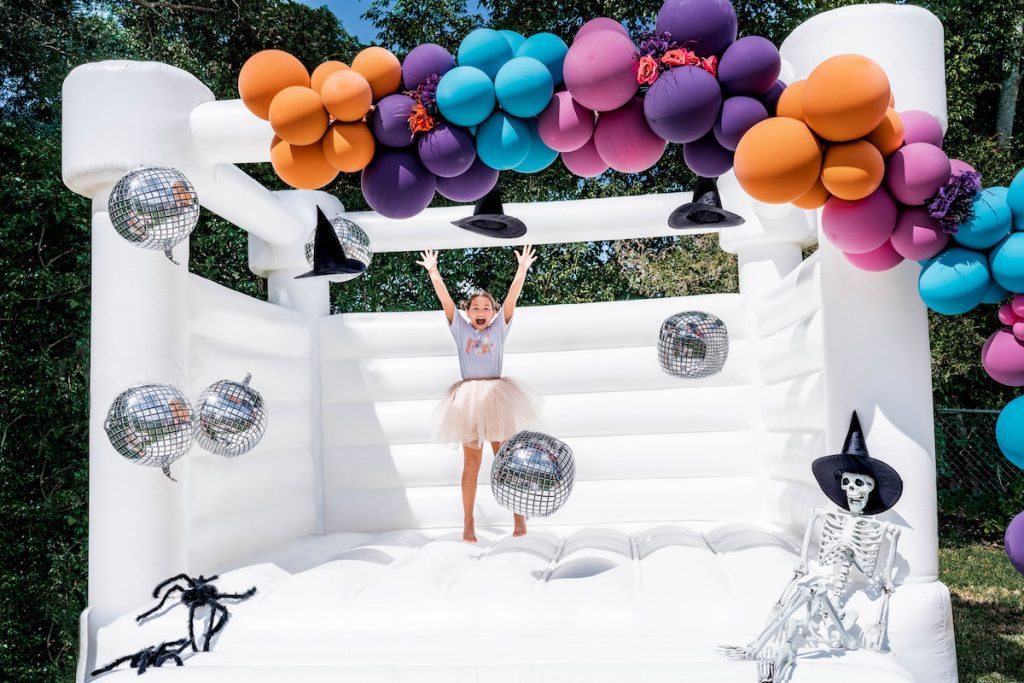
(520, 527)
(469, 533)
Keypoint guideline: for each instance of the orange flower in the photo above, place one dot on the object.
(648, 71)
(675, 57)
(419, 120)
(710, 65)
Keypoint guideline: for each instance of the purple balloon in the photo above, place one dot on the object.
(447, 150)
(706, 157)
(683, 104)
(750, 66)
(396, 184)
(1014, 542)
(471, 185)
(771, 98)
(915, 172)
(425, 60)
(705, 26)
(739, 114)
(390, 121)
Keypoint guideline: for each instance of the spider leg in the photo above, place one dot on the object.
(180, 577)
(238, 596)
(160, 604)
(215, 625)
(191, 628)
(113, 665)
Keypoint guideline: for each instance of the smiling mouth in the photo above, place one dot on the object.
(480, 321)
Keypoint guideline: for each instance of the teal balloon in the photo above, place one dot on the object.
(1007, 262)
(955, 281)
(549, 50)
(540, 155)
(1000, 191)
(1015, 198)
(995, 294)
(1010, 431)
(465, 96)
(989, 224)
(486, 49)
(502, 141)
(523, 87)
(514, 39)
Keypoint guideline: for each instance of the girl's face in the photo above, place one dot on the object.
(480, 312)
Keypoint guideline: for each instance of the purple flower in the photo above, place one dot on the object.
(655, 44)
(954, 202)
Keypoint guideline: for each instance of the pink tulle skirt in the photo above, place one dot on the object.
(478, 411)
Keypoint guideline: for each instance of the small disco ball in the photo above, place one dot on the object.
(151, 424)
(232, 418)
(532, 474)
(154, 207)
(693, 344)
(354, 241)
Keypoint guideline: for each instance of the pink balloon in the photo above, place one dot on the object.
(565, 124)
(1007, 316)
(862, 225)
(585, 161)
(1017, 304)
(920, 126)
(600, 24)
(625, 141)
(915, 172)
(1018, 331)
(1003, 358)
(958, 166)
(600, 70)
(917, 236)
(877, 260)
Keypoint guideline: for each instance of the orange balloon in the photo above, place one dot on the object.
(815, 197)
(347, 95)
(302, 166)
(320, 74)
(892, 100)
(264, 75)
(789, 102)
(887, 136)
(845, 97)
(381, 68)
(349, 147)
(852, 170)
(298, 116)
(778, 160)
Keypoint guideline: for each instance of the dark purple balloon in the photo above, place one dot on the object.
(750, 66)
(706, 157)
(771, 98)
(683, 104)
(424, 60)
(390, 121)
(739, 114)
(396, 184)
(447, 150)
(471, 185)
(1015, 542)
(705, 26)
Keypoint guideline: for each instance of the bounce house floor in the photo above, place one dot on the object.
(611, 603)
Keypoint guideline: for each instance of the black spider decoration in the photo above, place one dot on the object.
(198, 592)
(150, 656)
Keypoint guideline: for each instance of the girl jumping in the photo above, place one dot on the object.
(484, 407)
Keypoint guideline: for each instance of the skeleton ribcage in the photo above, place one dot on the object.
(846, 538)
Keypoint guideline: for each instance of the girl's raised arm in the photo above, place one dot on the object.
(526, 259)
(429, 261)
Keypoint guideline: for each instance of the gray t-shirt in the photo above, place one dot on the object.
(480, 352)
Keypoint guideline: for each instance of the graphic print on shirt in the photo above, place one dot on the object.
(479, 345)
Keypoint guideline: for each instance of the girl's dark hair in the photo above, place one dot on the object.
(476, 293)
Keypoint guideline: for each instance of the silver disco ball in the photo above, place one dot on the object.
(151, 424)
(154, 207)
(354, 241)
(693, 344)
(532, 474)
(232, 418)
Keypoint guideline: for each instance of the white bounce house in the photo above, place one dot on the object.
(691, 497)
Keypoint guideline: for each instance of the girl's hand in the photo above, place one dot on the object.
(429, 260)
(526, 257)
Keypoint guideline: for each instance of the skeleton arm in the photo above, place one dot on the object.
(801, 569)
(883, 577)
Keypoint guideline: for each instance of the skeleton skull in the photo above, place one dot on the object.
(858, 487)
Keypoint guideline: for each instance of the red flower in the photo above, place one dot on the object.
(710, 64)
(675, 57)
(647, 73)
(419, 120)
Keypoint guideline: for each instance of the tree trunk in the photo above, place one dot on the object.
(1008, 102)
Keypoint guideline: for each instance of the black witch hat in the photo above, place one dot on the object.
(705, 209)
(855, 459)
(489, 218)
(328, 254)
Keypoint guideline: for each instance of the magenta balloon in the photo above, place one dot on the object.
(390, 121)
(860, 226)
(625, 141)
(425, 60)
(447, 150)
(1002, 356)
(683, 104)
(915, 172)
(917, 236)
(1014, 542)
(600, 70)
(396, 184)
(600, 24)
(739, 114)
(920, 126)
(750, 66)
(471, 185)
(958, 166)
(565, 124)
(706, 157)
(876, 260)
(771, 98)
(585, 161)
(705, 26)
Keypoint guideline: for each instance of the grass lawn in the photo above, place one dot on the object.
(988, 610)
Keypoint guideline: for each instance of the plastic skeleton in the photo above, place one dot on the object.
(811, 609)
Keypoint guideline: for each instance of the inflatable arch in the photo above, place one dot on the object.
(691, 497)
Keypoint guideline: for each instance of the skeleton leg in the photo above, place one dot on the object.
(845, 640)
(800, 598)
